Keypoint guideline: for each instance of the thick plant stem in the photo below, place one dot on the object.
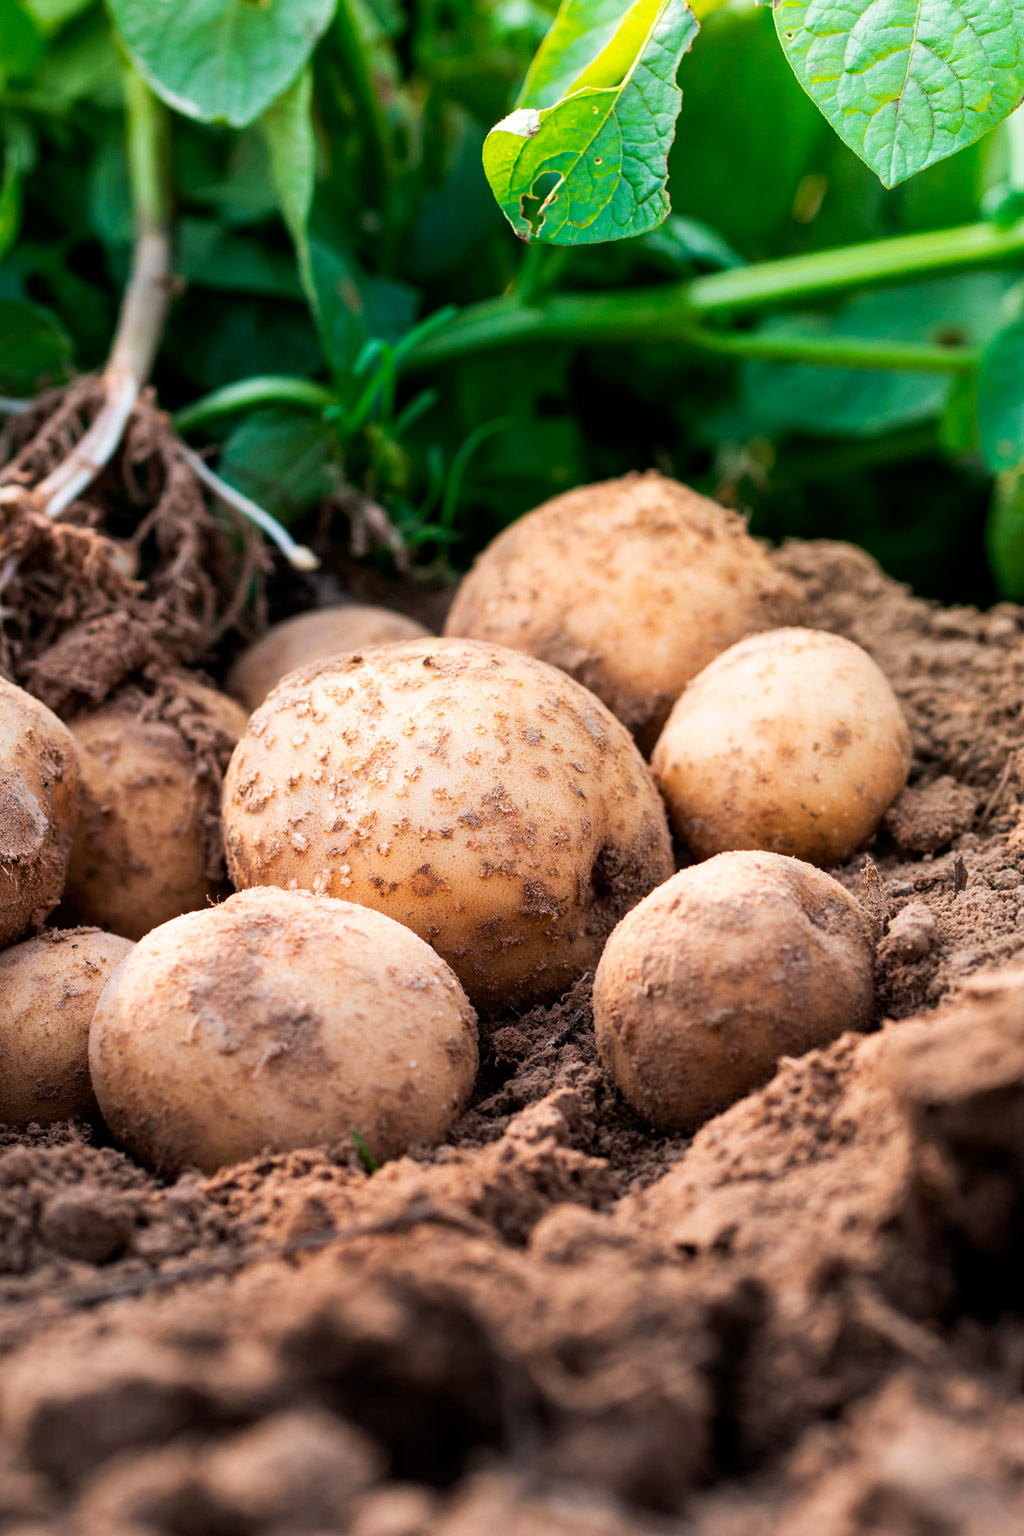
(672, 312)
(265, 389)
(143, 309)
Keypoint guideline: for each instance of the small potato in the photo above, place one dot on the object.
(280, 1020)
(142, 854)
(48, 992)
(630, 586)
(725, 968)
(310, 637)
(480, 797)
(39, 789)
(791, 741)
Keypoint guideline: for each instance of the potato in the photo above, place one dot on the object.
(142, 854)
(310, 637)
(791, 741)
(631, 586)
(479, 796)
(39, 789)
(725, 968)
(48, 991)
(278, 1020)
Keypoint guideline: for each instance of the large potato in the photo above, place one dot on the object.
(791, 741)
(631, 586)
(280, 1020)
(48, 990)
(480, 797)
(725, 968)
(142, 854)
(39, 788)
(310, 637)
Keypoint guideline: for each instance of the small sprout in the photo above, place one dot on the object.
(366, 1157)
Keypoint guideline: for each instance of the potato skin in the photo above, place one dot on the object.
(791, 741)
(39, 795)
(631, 586)
(139, 856)
(313, 636)
(479, 796)
(278, 1020)
(725, 968)
(48, 992)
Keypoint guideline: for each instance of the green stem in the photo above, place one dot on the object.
(359, 79)
(268, 389)
(669, 312)
(148, 143)
(835, 351)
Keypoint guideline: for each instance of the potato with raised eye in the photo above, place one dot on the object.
(630, 586)
(479, 796)
(148, 845)
(313, 636)
(726, 967)
(39, 790)
(279, 1020)
(49, 987)
(791, 741)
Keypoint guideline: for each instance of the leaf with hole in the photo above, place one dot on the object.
(221, 60)
(594, 165)
(906, 82)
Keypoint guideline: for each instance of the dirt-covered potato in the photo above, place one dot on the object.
(278, 1020)
(791, 741)
(148, 843)
(477, 795)
(39, 789)
(725, 968)
(631, 586)
(310, 637)
(49, 987)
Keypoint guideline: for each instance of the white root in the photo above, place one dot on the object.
(299, 556)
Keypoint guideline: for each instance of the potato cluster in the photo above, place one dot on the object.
(791, 741)
(39, 787)
(480, 797)
(313, 636)
(631, 586)
(147, 846)
(277, 1020)
(726, 967)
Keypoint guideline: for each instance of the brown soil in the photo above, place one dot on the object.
(805, 1321)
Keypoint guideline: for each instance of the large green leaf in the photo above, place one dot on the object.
(594, 165)
(20, 43)
(907, 82)
(1001, 399)
(288, 127)
(33, 349)
(221, 60)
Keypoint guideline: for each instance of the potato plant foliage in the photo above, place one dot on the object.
(773, 250)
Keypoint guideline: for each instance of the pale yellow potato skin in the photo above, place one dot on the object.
(279, 1020)
(49, 987)
(725, 968)
(480, 797)
(631, 586)
(313, 636)
(791, 741)
(39, 796)
(138, 857)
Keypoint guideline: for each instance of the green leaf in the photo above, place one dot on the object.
(288, 127)
(33, 349)
(221, 60)
(906, 82)
(353, 308)
(1001, 399)
(10, 202)
(594, 166)
(20, 43)
(280, 459)
(1004, 535)
(51, 14)
(211, 255)
(581, 31)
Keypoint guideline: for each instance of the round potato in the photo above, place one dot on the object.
(631, 586)
(310, 637)
(480, 797)
(791, 741)
(39, 790)
(49, 987)
(148, 845)
(280, 1020)
(725, 968)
